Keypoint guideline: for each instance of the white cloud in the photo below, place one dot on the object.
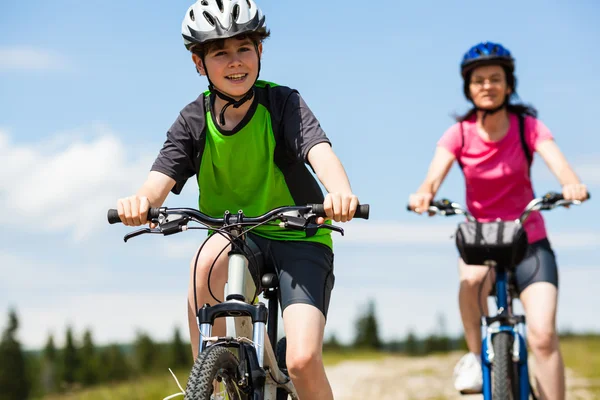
(68, 188)
(30, 58)
(22, 274)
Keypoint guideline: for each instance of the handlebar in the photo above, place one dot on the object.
(549, 201)
(175, 220)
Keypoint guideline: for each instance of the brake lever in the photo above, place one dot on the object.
(307, 224)
(140, 232)
(311, 228)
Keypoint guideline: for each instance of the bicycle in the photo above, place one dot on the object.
(258, 371)
(504, 341)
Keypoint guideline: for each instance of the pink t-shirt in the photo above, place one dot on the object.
(496, 173)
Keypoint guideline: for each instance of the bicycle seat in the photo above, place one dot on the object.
(269, 281)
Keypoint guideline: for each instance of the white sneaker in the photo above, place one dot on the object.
(218, 396)
(468, 378)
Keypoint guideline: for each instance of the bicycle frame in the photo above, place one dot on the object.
(254, 347)
(255, 325)
(504, 320)
(515, 324)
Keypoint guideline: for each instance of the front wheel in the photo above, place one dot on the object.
(505, 379)
(215, 372)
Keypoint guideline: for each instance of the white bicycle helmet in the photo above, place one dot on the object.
(208, 20)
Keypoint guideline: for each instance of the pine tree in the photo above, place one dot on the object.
(332, 344)
(70, 360)
(180, 355)
(146, 353)
(411, 344)
(88, 373)
(49, 366)
(367, 331)
(113, 365)
(14, 383)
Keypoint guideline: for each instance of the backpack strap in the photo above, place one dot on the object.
(462, 144)
(528, 154)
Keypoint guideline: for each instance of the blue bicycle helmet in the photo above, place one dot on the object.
(486, 53)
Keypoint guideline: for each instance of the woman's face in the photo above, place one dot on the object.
(488, 87)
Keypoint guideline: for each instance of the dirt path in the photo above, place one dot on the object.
(402, 378)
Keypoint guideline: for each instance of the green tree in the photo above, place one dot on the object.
(147, 353)
(411, 344)
(70, 360)
(436, 344)
(14, 383)
(114, 366)
(332, 344)
(367, 331)
(88, 373)
(49, 375)
(180, 355)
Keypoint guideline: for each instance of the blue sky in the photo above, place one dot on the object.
(88, 91)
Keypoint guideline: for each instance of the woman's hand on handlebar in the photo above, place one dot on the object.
(575, 191)
(420, 202)
(339, 207)
(133, 210)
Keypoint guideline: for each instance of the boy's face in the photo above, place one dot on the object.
(232, 68)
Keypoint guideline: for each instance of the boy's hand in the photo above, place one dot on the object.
(339, 207)
(133, 210)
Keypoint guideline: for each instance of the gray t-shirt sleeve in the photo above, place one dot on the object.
(176, 158)
(301, 129)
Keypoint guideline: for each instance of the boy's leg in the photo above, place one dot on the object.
(218, 278)
(304, 325)
(306, 279)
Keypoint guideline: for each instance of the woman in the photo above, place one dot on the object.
(494, 143)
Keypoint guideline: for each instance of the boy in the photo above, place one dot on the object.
(248, 143)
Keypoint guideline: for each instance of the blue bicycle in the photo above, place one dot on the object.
(500, 245)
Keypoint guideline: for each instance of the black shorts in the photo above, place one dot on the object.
(539, 265)
(304, 270)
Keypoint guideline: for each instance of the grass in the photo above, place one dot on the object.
(582, 355)
(331, 358)
(155, 387)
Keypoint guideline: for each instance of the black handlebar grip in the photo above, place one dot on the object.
(362, 211)
(153, 213)
(113, 215)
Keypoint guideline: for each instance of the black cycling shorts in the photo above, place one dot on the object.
(304, 270)
(539, 265)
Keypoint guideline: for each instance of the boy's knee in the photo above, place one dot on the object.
(302, 363)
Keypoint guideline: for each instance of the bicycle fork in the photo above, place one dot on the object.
(240, 292)
(519, 357)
